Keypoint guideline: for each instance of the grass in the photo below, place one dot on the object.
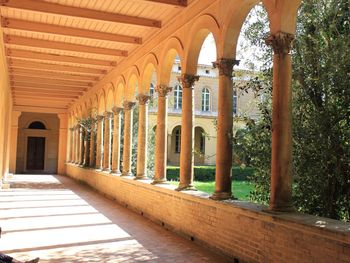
(240, 189)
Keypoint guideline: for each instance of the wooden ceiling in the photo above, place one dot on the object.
(58, 49)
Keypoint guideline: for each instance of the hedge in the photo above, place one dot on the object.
(207, 173)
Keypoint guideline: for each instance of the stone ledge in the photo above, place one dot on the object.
(196, 208)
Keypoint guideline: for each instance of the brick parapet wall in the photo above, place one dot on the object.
(238, 229)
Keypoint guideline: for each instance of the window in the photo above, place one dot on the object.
(207, 71)
(37, 125)
(235, 102)
(205, 100)
(177, 140)
(178, 97)
(151, 90)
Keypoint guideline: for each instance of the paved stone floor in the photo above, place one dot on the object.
(60, 220)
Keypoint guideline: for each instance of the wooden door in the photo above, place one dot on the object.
(35, 153)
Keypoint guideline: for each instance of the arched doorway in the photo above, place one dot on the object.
(199, 146)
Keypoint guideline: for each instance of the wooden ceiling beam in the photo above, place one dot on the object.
(20, 85)
(36, 97)
(182, 3)
(67, 31)
(63, 89)
(19, 63)
(44, 94)
(45, 86)
(62, 92)
(56, 75)
(53, 8)
(40, 43)
(19, 53)
(35, 79)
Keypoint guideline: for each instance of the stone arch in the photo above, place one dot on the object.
(201, 28)
(119, 91)
(150, 66)
(101, 103)
(171, 49)
(234, 20)
(132, 84)
(110, 97)
(37, 125)
(282, 15)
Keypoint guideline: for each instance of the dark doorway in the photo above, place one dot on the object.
(35, 153)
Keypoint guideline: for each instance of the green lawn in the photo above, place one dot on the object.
(240, 189)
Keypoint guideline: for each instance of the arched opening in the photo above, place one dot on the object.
(199, 146)
(175, 146)
(38, 125)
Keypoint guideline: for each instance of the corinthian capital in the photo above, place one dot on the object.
(163, 90)
(281, 42)
(128, 105)
(143, 98)
(225, 66)
(108, 114)
(188, 80)
(117, 110)
(100, 117)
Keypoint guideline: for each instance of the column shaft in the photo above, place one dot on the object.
(14, 136)
(99, 143)
(281, 161)
(161, 134)
(128, 119)
(77, 144)
(116, 141)
(87, 148)
(224, 130)
(107, 142)
(142, 137)
(93, 145)
(82, 141)
(187, 133)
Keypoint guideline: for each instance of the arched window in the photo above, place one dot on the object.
(235, 102)
(205, 99)
(178, 140)
(178, 97)
(151, 90)
(37, 125)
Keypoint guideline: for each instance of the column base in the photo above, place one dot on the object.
(107, 170)
(116, 172)
(280, 208)
(141, 177)
(126, 174)
(159, 181)
(185, 187)
(221, 196)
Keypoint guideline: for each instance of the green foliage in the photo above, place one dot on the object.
(321, 107)
(207, 173)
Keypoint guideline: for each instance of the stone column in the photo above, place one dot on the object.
(99, 142)
(116, 141)
(224, 130)
(71, 144)
(77, 144)
(87, 148)
(187, 133)
(82, 140)
(281, 159)
(14, 136)
(107, 142)
(128, 109)
(161, 134)
(93, 145)
(62, 143)
(142, 137)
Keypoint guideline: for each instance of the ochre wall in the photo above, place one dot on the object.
(5, 110)
(238, 229)
(51, 122)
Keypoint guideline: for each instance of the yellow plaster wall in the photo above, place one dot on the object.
(51, 133)
(5, 110)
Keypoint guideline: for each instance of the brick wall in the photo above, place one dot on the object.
(238, 229)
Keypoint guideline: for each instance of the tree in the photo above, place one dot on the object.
(321, 107)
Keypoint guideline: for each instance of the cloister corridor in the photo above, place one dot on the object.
(60, 220)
